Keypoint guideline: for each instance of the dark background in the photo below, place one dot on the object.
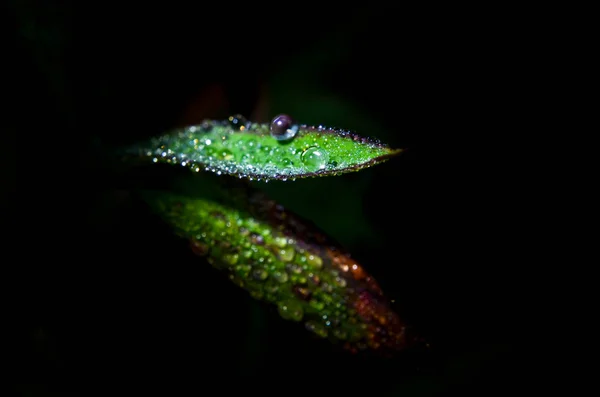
(108, 301)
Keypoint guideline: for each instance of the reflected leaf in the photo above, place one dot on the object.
(284, 260)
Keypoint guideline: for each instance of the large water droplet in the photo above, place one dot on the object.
(291, 310)
(315, 159)
(238, 122)
(283, 128)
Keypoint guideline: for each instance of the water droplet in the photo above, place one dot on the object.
(316, 328)
(301, 292)
(326, 287)
(238, 122)
(315, 159)
(290, 310)
(286, 254)
(315, 279)
(260, 274)
(295, 269)
(199, 248)
(206, 126)
(208, 150)
(280, 276)
(250, 144)
(226, 154)
(316, 304)
(243, 270)
(280, 241)
(246, 158)
(340, 281)
(271, 288)
(230, 259)
(257, 238)
(236, 280)
(340, 333)
(283, 128)
(314, 261)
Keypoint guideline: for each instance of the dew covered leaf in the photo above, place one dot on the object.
(283, 260)
(278, 150)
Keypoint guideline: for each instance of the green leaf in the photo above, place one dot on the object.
(284, 260)
(248, 150)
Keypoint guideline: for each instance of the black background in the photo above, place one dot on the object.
(108, 300)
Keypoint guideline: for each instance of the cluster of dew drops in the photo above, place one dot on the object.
(195, 153)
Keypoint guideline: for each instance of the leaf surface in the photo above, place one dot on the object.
(250, 150)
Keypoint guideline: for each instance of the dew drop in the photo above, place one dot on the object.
(283, 128)
(257, 238)
(246, 158)
(290, 310)
(295, 269)
(199, 248)
(315, 159)
(208, 150)
(280, 276)
(206, 126)
(316, 304)
(280, 241)
(314, 261)
(326, 287)
(271, 288)
(250, 144)
(226, 154)
(238, 122)
(230, 259)
(316, 328)
(301, 292)
(260, 274)
(286, 254)
(340, 281)
(340, 333)
(243, 270)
